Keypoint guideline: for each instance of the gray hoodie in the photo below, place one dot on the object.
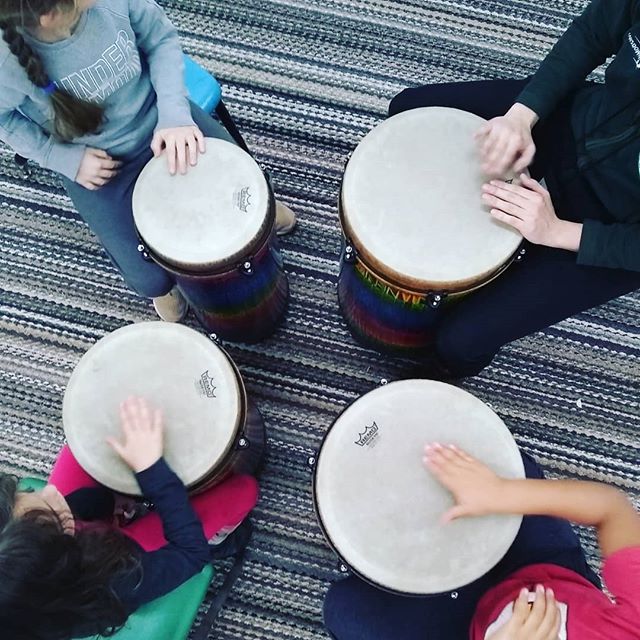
(124, 55)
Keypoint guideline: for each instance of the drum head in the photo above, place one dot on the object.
(380, 507)
(207, 217)
(176, 369)
(411, 202)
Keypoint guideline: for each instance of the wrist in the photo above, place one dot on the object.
(522, 114)
(496, 496)
(144, 465)
(567, 235)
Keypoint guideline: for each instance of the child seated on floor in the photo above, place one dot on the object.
(542, 589)
(63, 577)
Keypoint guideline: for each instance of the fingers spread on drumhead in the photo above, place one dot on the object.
(526, 158)
(202, 145)
(463, 455)
(181, 151)
(192, 145)
(512, 221)
(459, 511)
(115, 445)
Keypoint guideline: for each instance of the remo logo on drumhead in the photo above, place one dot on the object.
(393, 537)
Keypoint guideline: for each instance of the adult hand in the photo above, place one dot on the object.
(96, 169)
(475, 488)
(181, 144)
(540, 622)
(142, 440)
(528, 208)
(505, 142)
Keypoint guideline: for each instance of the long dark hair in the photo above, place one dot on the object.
(73, 117)
(55, 585)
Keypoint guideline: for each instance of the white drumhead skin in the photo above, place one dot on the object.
(178, 370)
(206, 217)
(381, 508)
(411, 199)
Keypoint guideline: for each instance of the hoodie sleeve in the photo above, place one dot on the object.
(590, 39)
(28, 138)
(158, 40)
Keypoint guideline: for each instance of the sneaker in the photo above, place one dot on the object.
(171, 307)
(232, 543)
(285, 219)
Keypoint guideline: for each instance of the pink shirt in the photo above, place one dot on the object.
(589, 614)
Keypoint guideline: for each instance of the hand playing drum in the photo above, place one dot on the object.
(505, 142)
(141, 426)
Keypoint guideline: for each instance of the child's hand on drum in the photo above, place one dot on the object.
(474, 486)
(141, 427)
(540, 621)
(505, 142)
(181, 145)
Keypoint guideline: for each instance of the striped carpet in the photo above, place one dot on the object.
(306, 79)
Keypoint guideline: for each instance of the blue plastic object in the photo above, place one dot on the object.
(203, 88)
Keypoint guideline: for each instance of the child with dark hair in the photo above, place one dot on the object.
(62, 577)
(542, 589)
(93, 89)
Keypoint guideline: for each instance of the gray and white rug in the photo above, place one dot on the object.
(306, 79)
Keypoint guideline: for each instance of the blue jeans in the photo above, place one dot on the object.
(108, 212)
(354, 610)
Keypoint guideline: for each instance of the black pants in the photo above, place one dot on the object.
(548, 286)
(354, 610)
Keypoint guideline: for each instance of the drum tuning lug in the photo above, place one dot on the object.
(143, 250)
(243, 443)
(349, 254)
(214, 338)
(247, 268)
(521, 255)
(383, 381)
(454, 595)
(435, 299)
(311, 461)
(343, 568)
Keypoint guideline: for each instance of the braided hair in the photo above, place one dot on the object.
(73, 117)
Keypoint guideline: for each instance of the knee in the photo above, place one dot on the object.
(461, 350)
(149, 281)
(334, 615)
(400, 102)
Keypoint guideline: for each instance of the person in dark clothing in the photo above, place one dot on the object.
(62, 577)
(583, 227)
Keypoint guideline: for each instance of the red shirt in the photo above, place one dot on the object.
(590, 614)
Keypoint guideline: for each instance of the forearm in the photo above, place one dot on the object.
(589, 40)
(31, 141)
(158, 39)
(524, 114)
(586, 503)
(180, 524)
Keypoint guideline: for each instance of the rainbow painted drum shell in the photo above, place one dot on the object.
(415, 233)
(213, 229)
